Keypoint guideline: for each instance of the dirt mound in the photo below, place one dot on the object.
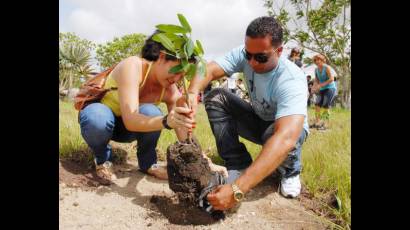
(190, 176)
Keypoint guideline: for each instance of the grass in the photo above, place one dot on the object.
(326, 156)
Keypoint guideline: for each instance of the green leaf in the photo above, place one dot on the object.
(169, 28)
(189, 47)
(184, 62)
(200, 49)
(165, 41)
(190, 72)
(339, 202)
(178, 43)
(201, 67)
(176, 69)
(184, 22)
(172, 36)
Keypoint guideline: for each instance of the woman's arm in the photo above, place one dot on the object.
(171, 104)
(128, 74)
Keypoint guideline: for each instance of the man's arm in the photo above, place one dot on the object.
(286, 133)
(213, 72)
(287, 130)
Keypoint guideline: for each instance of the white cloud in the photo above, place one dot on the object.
(220, 25)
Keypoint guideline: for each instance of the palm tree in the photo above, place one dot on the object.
(74, 65)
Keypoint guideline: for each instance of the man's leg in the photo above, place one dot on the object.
(290, 168)
(230, 116)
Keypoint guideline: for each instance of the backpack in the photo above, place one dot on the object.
(93, 90)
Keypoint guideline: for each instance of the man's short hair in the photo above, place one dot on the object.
(262, 26)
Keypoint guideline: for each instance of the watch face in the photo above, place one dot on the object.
(238, 196)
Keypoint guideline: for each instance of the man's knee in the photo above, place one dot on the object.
(150, 110)
(216, 101)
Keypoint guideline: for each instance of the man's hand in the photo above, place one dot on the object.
(222, 197)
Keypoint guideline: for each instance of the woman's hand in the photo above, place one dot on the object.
(180, 117)
(315, 88)
(193, 102)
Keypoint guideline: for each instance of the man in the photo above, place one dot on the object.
(295, 57)
(276, 117)
(310, 85)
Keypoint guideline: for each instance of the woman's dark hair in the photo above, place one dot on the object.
(262, 26)
(151, 49)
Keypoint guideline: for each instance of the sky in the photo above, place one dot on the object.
(220, 25)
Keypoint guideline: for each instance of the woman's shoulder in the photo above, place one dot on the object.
(127, 63)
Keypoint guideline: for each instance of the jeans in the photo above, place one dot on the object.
(326, 97)
(231, 117)
(99, 125)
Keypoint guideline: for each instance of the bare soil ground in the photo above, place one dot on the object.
(139, 201)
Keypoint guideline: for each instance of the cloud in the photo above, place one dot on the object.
(220, 25)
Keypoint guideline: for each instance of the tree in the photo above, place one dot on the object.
(323, 28)
(74, 59)
(113, 52)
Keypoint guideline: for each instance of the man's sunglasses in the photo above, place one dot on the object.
(259, 57)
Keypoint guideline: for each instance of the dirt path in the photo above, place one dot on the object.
(138, 201)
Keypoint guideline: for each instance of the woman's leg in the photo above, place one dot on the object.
(97, 125)
(328, 96)
(147, 141)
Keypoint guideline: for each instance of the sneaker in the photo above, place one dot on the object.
(105, 171)
(290, 187)
(158, 171)
(321, 127)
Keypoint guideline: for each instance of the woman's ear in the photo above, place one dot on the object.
(161, 55)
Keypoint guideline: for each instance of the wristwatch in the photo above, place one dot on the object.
(164, 122)
(237, 193)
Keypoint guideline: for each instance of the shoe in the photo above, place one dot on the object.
(312, 126)
(105, 171)
(321, 127)
(160, 172)
(290, 187)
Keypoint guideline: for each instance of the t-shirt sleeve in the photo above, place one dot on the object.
(292, 100)
(233, 61)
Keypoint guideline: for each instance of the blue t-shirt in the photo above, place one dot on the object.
(275, 94)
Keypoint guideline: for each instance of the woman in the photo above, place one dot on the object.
(130, 112)
(324, 82)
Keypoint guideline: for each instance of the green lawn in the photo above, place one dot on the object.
(326, 156)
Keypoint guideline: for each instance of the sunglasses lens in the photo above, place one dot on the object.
(261, 58)
(248, 56)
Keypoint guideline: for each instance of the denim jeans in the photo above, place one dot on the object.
(231, 117)
(99, 125)
(326, 97)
